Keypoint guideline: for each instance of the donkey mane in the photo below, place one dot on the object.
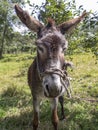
(50, 22)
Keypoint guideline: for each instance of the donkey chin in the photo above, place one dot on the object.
(52, 86)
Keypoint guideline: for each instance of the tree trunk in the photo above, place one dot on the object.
(3, 38)
(2, 42)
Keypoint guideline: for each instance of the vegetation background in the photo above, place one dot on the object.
(17, 51)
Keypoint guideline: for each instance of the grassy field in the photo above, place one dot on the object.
(16, 109)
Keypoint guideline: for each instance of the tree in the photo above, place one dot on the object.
(6, 30)
(84, 37)
(59, 10)
(3, 24)
(90, 41)
(7, 20)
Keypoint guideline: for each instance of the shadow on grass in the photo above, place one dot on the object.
(19, 113)
(21, 122)
(17, 108)
(24, 122)
(21, 119)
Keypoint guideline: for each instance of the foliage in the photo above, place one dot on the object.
(83, 38)
(11, 41)
(4, 24)
(60, 11)
(90, 40)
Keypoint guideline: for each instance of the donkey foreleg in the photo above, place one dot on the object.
(61, 100)
(36, 104)
(55, 119)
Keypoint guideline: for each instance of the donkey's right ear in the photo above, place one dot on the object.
(29, 21)
(71, 24)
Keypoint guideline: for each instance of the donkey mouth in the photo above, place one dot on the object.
(52, 95)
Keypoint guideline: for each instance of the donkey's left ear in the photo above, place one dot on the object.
(28, 20)
(71, 24)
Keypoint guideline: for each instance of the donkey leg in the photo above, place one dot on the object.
(55, 118)
(61, 100)
(36, 104)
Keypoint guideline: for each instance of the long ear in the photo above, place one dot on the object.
(69, 25)
(29, 21)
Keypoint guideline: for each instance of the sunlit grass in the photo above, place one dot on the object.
(16, 111)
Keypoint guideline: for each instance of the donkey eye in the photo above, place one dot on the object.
(40, 49)
(64, 49)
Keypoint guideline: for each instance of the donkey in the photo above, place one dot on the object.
(46, 77)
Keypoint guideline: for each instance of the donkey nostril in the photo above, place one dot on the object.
(47, 87)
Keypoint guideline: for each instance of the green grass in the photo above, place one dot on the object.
(16, 111)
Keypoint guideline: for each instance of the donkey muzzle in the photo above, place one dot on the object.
(52, 85)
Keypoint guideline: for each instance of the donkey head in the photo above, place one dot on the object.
(51, 45)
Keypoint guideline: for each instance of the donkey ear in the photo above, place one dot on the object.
(71, 24)
(29, 21)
